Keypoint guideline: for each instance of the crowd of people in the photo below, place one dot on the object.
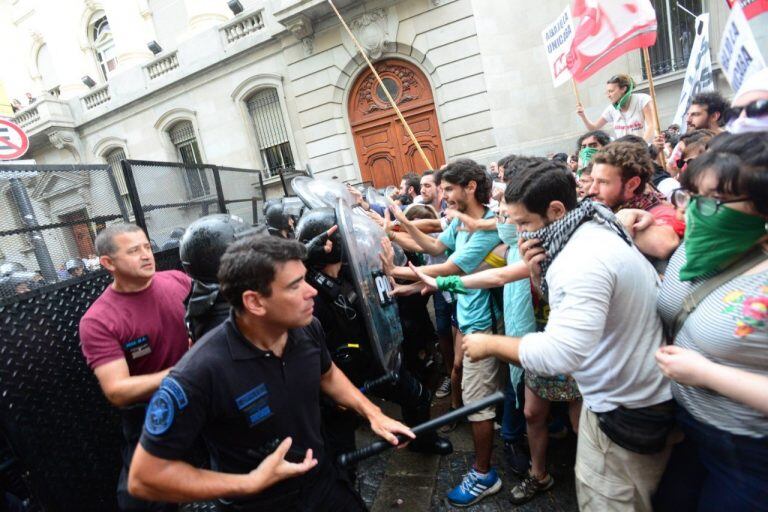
(628, 282)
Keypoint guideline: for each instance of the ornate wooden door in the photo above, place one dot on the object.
(384, 149)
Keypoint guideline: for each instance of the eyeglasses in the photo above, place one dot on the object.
(757, 108)
(706, 206)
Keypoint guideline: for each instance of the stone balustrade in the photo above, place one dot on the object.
(241, 27)
(96, 97)
(27, 117)
(162, 65)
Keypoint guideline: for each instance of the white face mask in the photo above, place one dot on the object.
(748, 125)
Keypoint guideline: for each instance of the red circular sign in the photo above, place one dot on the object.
(13, 141)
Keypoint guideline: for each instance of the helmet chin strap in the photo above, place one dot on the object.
(624, 99)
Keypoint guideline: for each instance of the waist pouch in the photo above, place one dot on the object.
(643, 430)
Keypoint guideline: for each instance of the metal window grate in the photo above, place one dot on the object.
(676, 32)
(181, 132)
(264, 107)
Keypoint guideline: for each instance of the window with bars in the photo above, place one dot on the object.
(113, 158)
(183, 138)
(267, 116)
(676, 31)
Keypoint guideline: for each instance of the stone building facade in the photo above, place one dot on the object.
(282, 85)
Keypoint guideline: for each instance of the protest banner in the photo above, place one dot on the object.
(698, 76)
(739, 55)
(751, 8)
(558, 37)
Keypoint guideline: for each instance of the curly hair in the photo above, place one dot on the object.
(464, 170)
(631, 159)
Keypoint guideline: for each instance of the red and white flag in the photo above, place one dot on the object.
(606, 30)
(751, 8)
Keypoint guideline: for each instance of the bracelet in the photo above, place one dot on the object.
(451, 284)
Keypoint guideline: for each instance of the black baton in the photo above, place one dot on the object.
(384, 379)
(428, 426)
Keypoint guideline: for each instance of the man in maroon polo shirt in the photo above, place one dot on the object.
(133, 334)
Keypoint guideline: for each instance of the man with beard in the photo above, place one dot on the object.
(621, 172)
(706, 112)
(467, 188)
(603, 329)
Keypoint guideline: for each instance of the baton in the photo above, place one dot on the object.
(384, 379)
(377, 447)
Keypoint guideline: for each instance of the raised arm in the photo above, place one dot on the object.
(426, 243)
(650, 123)
(584, 119)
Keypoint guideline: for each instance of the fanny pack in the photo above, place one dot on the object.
(642, 430)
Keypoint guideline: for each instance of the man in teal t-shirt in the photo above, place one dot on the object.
(467, 188)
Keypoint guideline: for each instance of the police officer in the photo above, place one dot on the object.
(249, 384)
(75, 267)
(337, 308)
(279, 222)
(201, 248)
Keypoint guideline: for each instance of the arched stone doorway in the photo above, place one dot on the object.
(384, 150)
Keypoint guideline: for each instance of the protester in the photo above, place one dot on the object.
(621, 173)
(719, 360)
(585, 180)
(706, 112)
(603, 329)
(410, 186)
(690, 145)
(749, 112)
(629, 112)
(589, 144)
(467, 188)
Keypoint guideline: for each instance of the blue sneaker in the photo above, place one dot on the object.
(474, 487)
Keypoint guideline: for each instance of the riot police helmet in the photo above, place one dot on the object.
(206, 240)
(279, 223)
(312, 225)
(73, 264)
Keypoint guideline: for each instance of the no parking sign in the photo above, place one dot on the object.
(13, 141)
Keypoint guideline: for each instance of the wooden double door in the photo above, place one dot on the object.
(384, 149)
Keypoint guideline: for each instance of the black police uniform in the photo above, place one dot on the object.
(244, 401)
(206, 309)
(349, 345)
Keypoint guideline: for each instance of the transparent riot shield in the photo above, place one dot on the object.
(319, 192)
(361, 238)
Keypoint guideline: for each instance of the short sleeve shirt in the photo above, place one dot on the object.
(468, 250)
(631, 122)
(146, 328)
(243, 400)
(728, 327)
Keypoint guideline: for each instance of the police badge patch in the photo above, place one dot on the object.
(159, 413)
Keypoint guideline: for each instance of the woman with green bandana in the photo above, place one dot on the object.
(629, 112)
(719, 360)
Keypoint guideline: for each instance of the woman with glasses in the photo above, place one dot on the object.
(749, 113)
(630, 113)
(719, 360)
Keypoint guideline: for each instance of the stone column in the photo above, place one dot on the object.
(128, 32)
(203, 14)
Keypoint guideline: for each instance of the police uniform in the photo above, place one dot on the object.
(244, 401)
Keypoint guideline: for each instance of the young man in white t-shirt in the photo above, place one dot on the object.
(603, 330)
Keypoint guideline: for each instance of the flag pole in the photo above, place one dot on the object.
(383, 87)
(647, 59)
(576, 91)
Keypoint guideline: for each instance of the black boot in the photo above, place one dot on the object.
(431, 443)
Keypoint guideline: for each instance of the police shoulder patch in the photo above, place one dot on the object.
(160, 413)
(174, 388)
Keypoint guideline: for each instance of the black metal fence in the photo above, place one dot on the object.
(59, 438)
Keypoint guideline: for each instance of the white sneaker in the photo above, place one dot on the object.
(444, 389)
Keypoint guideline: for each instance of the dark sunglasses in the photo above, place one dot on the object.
(757, 108)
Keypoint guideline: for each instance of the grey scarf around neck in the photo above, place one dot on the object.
(555, 236)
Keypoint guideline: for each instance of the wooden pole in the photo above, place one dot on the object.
(647, 59)
(576, 91)
(389, 97)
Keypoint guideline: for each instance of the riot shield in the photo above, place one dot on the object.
(319, 192)
(361, 238)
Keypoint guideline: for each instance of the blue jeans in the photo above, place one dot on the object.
(513, 420)
(714, 470)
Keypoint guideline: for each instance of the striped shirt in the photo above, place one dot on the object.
(729, 327)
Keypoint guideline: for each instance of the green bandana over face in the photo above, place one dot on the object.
(712, 243)
(585, 156)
